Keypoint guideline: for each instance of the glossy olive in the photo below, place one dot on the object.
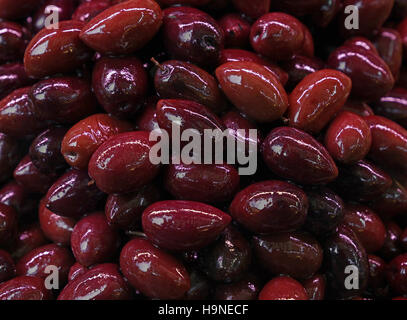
(10, 154)
(24, 288)
(236, 30)
(283, 288)
(14, 39)
(28, 238)
(393, 106)
(390, 48)
(12, 77)
(8, 225)
(7, 266)
(246, 289)
(315, 287)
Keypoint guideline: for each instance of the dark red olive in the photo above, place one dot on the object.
(12, 9)
(86, 11)
(63, 99)
(14, 195)
(277, 35)
(147, 120)
(397, 274)
(12, 77)
(56, 228)
(326, 13)
(254, 9)
(317, 98)
(182, 80)
(8, 225)
(210, 183)
(367, 181)
(28, 239)
(283, 288)
(296, 254)
(124, 211)
(24, 288)
(14, 39)
(45, 150)
(10, 155)
(152, 271)
(228, 259)
(294, 154)
(360, 108)
(392, 245)
(325, 212)
(372, 15)
(391, 202)
(73, 195)
(361, 43)
(183, 225)
(63, 8)
(93, 240)
(123, 28)
(120, 85)
(18, 116)
(47, 53)
(200, 286)
(102, 282)
(76, 270)
(389, 142)
(315, 287)
(270, 206)
(246, 289)
(236, 30)
(367, 226)
(342, 251)
(377, 278)
(192, 35)
(122, 163)
(36, 263)
(253, 89)
(7, 266)
(393, 106)
(371, 77)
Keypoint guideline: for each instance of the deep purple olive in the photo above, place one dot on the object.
(120, 85)
(228, 259)
(392, 244)
(393, 106)
(8, 225)
(270, 206)
(12, 77)
(392, 202)
(73, 194)
(10, 154)
(246, 289)
(13, 41)
(14, 195)
(28, 238)
(7, 266)
(294, 154)
(191, 34)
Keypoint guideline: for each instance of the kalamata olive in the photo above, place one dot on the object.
(361, 43)
(103, 282)
(193, 35)
(8, 225)
(54, 51)
(10, 154)
(393, 106)
(182, 80)
(76, 270)
(367, 181)
(255, 9)
(325, 212)
(210, 183)
(372, 15)
(56, 228)
(12, 77)
(377, 278)
(326, 13)
(124, 211)
(296, 254)
(246, 289)
(367, 226)
(371, 77)
(82, 140)
(236, 30)
(183, 225)
(253, 89)
(63, 99)
(24, 288)
(12, 9)
(317, 98)
(389, 142)
(14, 195)
(7, 266)
(18, 116)
(283, 288)
(397, 274)
(73, 195)
(152, 271)
(123, 28)
(14, 39)
(228, 259)
(294, 154)
(200, 286)
(348, 138)
(120, 85)
(45, 150)
(64, 8)
(122, 164)
(390, 48)
(270, 206)
(315, 287)
(28, 238)
(147, 120)
(392, 244)
(28, 175)
(277, 35)
(391, 202)
(343, 251)
(93, 240)
(36, 262)
(86, 11)
(360, 108)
